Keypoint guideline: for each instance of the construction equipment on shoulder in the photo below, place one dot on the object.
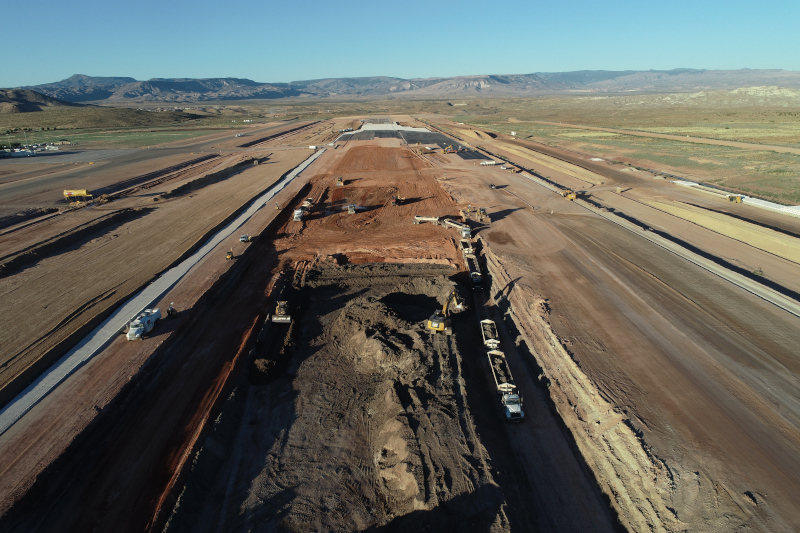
(339, 182)
(736, 198)
(351, 209)
(569, 194)
(245, 238)
(171, 311)
(439, 322)
(281, 315)
(229, 255)
(74, 194)
(397, 200)
(482, 216)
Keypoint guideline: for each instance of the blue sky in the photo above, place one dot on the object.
(284, 41)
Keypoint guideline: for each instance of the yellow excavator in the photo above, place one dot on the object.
(439, 322)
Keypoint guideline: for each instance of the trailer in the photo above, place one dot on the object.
(142, 324)
(298, 214)
(474, 272)
(465, 230)
(488, 163)
(466, 247)
(507, 392)
(418, 219)
(489, 332)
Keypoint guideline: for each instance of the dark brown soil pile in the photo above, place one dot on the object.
(369, 427)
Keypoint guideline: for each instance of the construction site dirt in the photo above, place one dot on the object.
(657, 396)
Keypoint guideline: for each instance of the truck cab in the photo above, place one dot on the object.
(512, 405)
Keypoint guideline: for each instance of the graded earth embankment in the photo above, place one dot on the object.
(62, 297)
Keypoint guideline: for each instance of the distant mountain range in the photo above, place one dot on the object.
(80, 88)
(25, 100)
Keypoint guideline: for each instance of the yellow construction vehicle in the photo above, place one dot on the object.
(229, 256)
(74, 194)
(735, 198)
(439, 322)
(281, 315)
(569, 194)
(450, 150)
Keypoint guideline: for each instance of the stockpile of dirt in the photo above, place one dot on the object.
(368, 427)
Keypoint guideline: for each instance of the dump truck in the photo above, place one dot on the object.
(489, 331)
(474, 272)
(465, 230)
(298, 214)
(418, 219)
(281, 314)
(506, 390)
(339, 181)
(466, 247)
(142, 324)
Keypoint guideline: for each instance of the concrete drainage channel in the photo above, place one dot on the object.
(107, 331)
